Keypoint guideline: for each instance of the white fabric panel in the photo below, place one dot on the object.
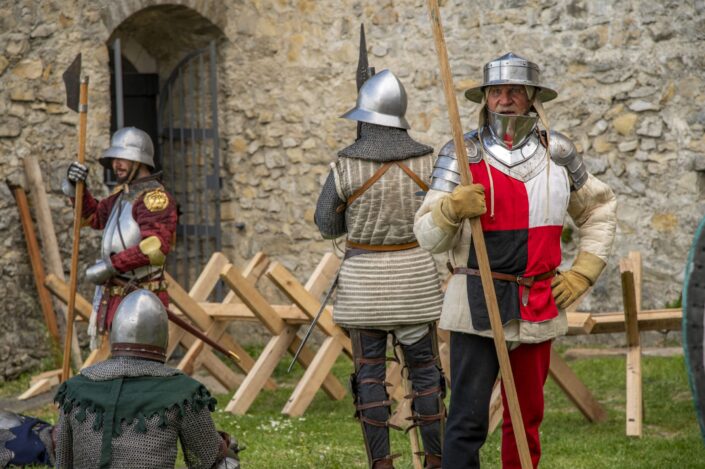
(541, 214)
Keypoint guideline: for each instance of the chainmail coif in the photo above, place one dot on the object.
(380, 143)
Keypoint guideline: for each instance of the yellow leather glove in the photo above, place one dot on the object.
(464, 202)
(568, 286)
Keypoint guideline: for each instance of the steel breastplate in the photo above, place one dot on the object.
(123, 232)
(522, 162)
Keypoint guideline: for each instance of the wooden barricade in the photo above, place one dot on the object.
(283, 329)
(335, 342)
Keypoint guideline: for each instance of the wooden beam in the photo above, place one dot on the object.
(634, 406)
(575, 389)
(198, 316)
(264, 367)
(35, 258)
(60, 289)
(313, 377)
(307, 303)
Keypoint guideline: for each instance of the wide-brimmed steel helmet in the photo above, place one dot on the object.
(381, 101)
(510, 69)
(140, 327)
(130, 143)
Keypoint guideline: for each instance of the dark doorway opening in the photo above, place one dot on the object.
(140, 93)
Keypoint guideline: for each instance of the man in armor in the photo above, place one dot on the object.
(138, 221)
(528, 178)
(128, 411)
(387, 284)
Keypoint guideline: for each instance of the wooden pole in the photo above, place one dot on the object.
(50, 246)
(35, 258)
(478, 240)
(78, 211)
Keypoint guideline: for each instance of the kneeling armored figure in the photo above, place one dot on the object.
(130, 410)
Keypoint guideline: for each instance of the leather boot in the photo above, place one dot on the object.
(432, 461)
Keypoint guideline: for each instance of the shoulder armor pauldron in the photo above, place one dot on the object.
(446, 176)
(564, 153)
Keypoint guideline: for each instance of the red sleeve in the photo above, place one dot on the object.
(95, 213)
(159, 223)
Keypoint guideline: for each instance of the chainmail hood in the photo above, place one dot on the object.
(127, 367)
(380, 143)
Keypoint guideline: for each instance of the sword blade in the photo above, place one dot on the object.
(313, 323)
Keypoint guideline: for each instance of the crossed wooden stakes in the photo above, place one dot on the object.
(631, 321)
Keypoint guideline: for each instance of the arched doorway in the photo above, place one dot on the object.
(169, 88)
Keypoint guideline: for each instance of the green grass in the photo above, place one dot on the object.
(328, 437)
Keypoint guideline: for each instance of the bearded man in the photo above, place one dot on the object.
(529, 178)
(138, 221)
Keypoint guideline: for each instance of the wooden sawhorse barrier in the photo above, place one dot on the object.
(631, 321)
(183, 302)
(283, 323)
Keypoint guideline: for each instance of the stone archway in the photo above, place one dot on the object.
(120, 10)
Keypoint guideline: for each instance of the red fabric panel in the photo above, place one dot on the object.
(530, 363)
(511, 203)
(544, 254)
(96, 212)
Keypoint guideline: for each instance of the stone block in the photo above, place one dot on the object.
(28, 68)
(628, 146)
(10, 127)
(625, 123)
(601, 144)
(664, 221)
(3, 64)
(651, 127)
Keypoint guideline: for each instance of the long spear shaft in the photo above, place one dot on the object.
(78, 212)
(478, 240)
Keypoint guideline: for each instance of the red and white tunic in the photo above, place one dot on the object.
(523, 238)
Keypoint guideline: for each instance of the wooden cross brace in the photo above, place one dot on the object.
(284, 338)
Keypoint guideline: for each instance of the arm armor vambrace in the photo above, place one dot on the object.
(446, 176)
(564, 153)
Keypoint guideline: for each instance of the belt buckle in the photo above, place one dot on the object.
(519, 279)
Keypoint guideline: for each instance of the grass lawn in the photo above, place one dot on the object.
(328, 437)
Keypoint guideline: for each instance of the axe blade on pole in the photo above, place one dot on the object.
(72, 82)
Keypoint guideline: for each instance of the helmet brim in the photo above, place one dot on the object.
(371, 117)
(476, 94)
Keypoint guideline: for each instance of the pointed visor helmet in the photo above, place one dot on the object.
(510, 69)
(381, 101)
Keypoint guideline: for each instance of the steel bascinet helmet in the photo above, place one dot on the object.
(510, 69)
(130, 143)
(140, 327)
(381, 101)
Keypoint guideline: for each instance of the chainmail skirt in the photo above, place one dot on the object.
(388, 289)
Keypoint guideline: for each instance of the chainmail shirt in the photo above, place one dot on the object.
(140, 444)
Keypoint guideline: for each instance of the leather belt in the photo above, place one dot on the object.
(526, 282)
(382, 247)
(151, 285)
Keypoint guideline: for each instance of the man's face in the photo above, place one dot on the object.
(122, 169)
(508, 99)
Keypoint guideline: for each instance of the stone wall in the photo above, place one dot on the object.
(629, 77)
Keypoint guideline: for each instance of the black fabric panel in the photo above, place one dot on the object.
(508, 254)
